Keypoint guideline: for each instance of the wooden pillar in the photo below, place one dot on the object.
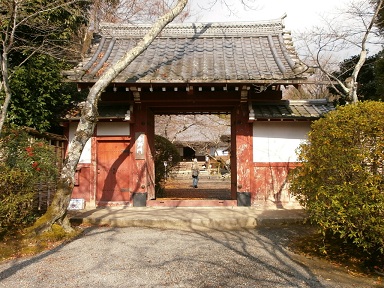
(242, 142)
(143, 174)
(150, 160)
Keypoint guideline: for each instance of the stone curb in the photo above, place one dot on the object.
(189, 219)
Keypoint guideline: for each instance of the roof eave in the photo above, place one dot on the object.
(296, 81)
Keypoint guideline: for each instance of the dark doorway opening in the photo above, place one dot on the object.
(188, 153)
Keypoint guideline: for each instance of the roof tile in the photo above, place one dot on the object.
(196, 52)
(292, 109)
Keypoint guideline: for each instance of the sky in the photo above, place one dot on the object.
(300, 13)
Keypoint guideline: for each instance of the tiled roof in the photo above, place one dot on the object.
(291, 109)
(259, 52)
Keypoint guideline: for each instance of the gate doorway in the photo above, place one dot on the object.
(206, 138)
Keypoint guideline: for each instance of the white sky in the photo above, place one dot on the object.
(300, 13)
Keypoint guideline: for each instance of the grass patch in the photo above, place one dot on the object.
(19, 244)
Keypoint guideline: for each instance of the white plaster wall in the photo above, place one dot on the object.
(277, 141)
(113, 129)
(86, 154)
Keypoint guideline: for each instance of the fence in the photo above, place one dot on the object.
(46, 191)
(44, 195)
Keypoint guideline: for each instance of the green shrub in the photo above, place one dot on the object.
(16, 199)
(164, 151)
(26, 163)
(20, 150)
(340, 182)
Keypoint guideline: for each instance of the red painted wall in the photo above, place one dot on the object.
(270, 182)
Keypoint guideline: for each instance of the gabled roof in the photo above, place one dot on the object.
(290, 110)
(252, 52)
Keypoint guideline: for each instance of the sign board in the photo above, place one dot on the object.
(140, 146)
(76, 204)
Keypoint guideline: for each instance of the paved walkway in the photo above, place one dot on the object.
(159, 258)
(192, 218)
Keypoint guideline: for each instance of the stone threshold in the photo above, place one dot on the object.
(172, 202)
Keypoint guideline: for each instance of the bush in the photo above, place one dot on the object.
(25, 163)
(16, 199)
(340, 182)
(164, 151)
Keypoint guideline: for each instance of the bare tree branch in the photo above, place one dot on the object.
(355, 31)
(352, 85)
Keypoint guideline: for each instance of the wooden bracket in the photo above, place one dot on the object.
(244, 94)
(136, 94)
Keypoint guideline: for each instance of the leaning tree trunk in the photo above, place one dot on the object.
(57, 211)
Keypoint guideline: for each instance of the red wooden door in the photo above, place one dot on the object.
(112, 171)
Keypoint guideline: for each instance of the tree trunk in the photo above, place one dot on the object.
(352, 93)
(57, 212)
(7, 90)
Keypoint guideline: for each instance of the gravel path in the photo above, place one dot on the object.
(143, 257)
